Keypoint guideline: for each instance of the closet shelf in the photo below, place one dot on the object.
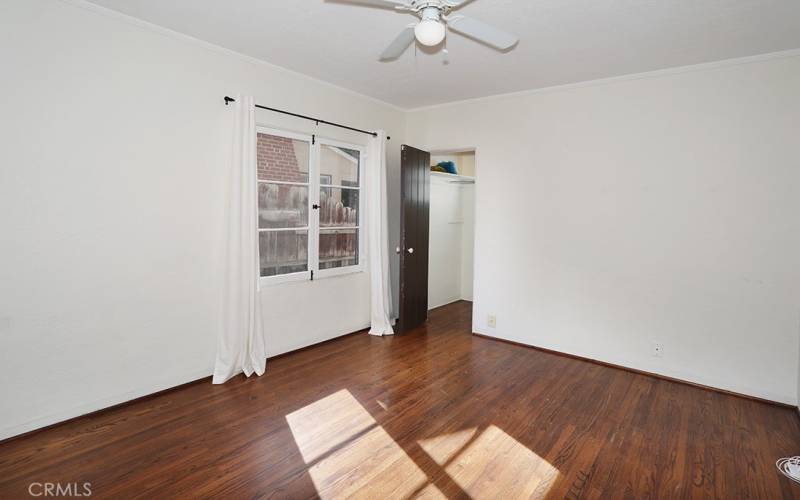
(455, 177)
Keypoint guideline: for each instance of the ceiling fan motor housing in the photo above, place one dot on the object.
(431, 14)
(420, 6)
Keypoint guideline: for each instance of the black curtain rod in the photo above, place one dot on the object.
(229, 100)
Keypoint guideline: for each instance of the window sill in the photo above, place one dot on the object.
(342, 271)
(269, 281)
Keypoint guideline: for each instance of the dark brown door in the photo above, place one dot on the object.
(414, 237)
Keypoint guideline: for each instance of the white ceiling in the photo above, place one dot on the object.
(561, 41)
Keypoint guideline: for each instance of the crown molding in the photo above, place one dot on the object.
(176, 35)
(724, 63)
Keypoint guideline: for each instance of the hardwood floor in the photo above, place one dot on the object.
(435, 413)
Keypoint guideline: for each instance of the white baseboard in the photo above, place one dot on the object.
(444, 303)
(664, 371)
(100, 404)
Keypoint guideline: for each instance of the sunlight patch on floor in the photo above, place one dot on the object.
(323, 425)
(445, 446)
(350, 455)
(493, 462)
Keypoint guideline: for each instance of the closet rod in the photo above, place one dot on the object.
(229, 100)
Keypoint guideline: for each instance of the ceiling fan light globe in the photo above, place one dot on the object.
(429, 32)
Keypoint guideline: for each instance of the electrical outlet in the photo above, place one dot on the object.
(658, 350)
(492, 321)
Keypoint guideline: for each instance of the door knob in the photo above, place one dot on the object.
(410, 250)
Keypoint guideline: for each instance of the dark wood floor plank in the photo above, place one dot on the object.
(436, 413)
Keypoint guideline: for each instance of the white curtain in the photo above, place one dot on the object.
(381, 294)
(240, 346)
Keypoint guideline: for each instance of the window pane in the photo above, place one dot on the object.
(338, 166)
(338, 248)
(338, 207)
(282, 205)
(283, 252)
(282, 159)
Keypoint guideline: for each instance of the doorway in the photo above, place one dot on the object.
(452, 226)
(437, 231)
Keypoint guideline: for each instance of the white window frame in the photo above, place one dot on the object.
(315, 144)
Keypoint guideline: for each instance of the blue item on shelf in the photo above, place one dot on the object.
(449, 167)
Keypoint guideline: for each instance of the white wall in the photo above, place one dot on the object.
(659, 208)
(467, 238)
(112, 180)
(450, 244)
(444, 255)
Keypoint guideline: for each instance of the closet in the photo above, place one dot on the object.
(452, 222)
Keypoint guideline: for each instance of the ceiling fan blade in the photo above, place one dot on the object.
(455, 4)
(390, 4)
(399, 45)
(482, 32)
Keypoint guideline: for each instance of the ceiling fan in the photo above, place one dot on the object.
(435, 16)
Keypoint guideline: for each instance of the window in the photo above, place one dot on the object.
(309, 206)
